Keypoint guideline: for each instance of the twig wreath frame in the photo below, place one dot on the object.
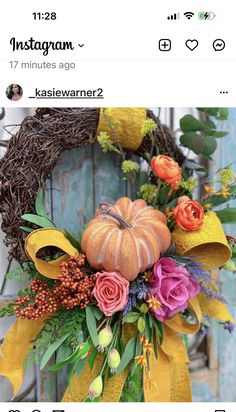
(34, 150)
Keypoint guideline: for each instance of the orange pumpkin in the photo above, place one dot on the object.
(127, 237)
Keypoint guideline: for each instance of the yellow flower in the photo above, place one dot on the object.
(141, 360)
(147, 274)
(141, 339)
(209, 189)
(147, 347)
(226, 176)
(168, 213)
(148, 126)
(148, 383)
(153, 303)
(224, 192)
(208, 206)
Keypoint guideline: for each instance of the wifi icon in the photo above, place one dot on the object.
(189, 14)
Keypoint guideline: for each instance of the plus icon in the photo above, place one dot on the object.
(165, 45)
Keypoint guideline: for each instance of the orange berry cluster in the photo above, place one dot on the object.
(42, 302)
(73, 288)
(75, 284)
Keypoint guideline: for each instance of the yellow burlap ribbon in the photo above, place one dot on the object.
(128, 124)
(169, 374)
(208, 244)
(16, 346)
(42, 238)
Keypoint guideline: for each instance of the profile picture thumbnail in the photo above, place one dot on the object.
(14, 92)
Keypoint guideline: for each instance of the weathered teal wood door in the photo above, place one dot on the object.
(216, 382)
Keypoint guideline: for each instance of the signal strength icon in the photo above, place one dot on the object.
(174, 16)
(189, 14)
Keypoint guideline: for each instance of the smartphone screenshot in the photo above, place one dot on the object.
(117, 206)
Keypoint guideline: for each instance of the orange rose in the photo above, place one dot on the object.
(167, 169)
(188, 214)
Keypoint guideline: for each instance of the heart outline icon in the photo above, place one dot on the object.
(192, 44)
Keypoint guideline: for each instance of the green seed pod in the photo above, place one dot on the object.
(113, 359)
(95, 388)
(230, 266)
(104, 337)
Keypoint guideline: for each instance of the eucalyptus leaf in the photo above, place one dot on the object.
(131, 317)
(192, 141)
(63, 352)
(40, 221)
(97, 313)
(72, 240)
(209, 146)
(128, 354)
(80, 366)
(74, 357)
(148, 331)
(92, 357)
(51, 350)
(141, 324)
(159, 329)
(215, 133)
(223, 113)
(39, 204)
(227, 215)
(91, 324)
(191, 164)
(26, 229)
(189, 123)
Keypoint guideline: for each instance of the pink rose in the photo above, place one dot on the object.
(111, 292)
(172, 286)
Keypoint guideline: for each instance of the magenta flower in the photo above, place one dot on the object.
(172, 286)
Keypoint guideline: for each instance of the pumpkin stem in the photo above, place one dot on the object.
(104, 210)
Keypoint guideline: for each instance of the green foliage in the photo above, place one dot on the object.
(40, 221)
(91, 324)
(148, 192)
(221, 113)
(40, 218)
(52, 349)
(192, 141)
(200, 136)
(39, 207)
(133, 388)
(73, 359)
(188, 123)
(130, 169)
(7, 310)
(106, 143)
(128, 354)
(63, 323)
(217, 200)
(227, 215)
(20, 274)
(141, 324)
(131, 317)
(26, 229)
(73, 240)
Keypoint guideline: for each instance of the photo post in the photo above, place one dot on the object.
(117, 206)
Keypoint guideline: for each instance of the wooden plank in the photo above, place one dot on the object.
(72, 189)
(108, 178)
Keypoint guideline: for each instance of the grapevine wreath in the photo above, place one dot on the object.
(114, 305)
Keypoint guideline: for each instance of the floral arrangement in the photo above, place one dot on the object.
(114, 305)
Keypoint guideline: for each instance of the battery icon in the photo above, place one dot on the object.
(206, 15)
